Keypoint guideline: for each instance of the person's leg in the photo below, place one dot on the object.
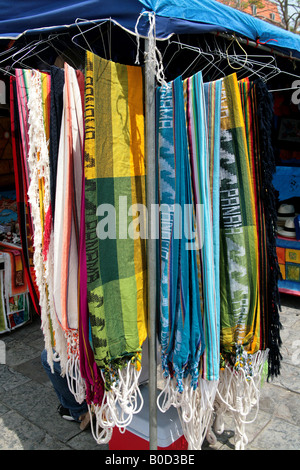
(61, 388)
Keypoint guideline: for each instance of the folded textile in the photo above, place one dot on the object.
(204, 156)
(68, 206)
(37, 163)
(114, 174)
(181, 331)
(66, 227)
(265, 116)
(56, 110)
(240, 307)
(21, 180)
(257, 110)
(249, 107)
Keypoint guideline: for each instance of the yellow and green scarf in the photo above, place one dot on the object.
(239, 275)
(114, 187)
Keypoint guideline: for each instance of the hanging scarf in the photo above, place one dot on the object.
(115, 251)
(258, 114)
(56, 110)
(203, 125)
(241, 316)
(249, 106)
(212, 92)
(181, 333)
(35, 88)
(240, 309)
(265, 114)
(201, 169)
(67, 227)
(89, 370)
(88, 367)
(24, 215)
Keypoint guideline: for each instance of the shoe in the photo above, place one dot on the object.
(85, 421)
(65, 413)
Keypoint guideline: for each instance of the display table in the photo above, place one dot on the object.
(288, 252)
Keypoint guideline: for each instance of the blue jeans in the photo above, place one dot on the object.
(61, 388)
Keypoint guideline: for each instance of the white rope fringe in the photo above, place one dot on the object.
(199, 427)
(75, 382)
(119, 404)
(238, 394)
(195, 408)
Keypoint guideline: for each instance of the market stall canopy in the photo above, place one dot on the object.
(215, 13)
(19, 16)
(172, 16)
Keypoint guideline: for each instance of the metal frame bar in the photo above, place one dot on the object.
(151, 245)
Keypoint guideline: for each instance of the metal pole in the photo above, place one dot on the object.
(151, 245)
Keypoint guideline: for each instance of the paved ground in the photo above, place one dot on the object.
(29, 421)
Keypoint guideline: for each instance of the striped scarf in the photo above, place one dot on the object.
(240, 306)
(66, 232)
(34, 97)
(181, 333)
(258, 115)
(21, 184)
(203, 147)
(114, 185)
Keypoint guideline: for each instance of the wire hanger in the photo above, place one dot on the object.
(209, 57)
(227, 54)
(32, 49)
(82, 33)
(245, 64)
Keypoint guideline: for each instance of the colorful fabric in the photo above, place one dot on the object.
(14, 307)
(212, 92)
(181, 332)
(239, 276)
(56, 109)
(3, 320)
(24, 216)
(204, 176)
(249, 106)
(68, 206)
(15, 278)
(265, 116)
(88, 367)
(114, 178)
(257, 111)
(37, 161)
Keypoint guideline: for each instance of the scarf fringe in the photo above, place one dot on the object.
(100, 434)
(76, 383)
(195, 408)
(58, 333)
(238, 393)
(119, 404)
(199, 426)
(38, 162)
(265, 114)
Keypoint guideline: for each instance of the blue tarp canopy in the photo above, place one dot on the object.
(172, 16)
(19, 16)
(217, 14)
